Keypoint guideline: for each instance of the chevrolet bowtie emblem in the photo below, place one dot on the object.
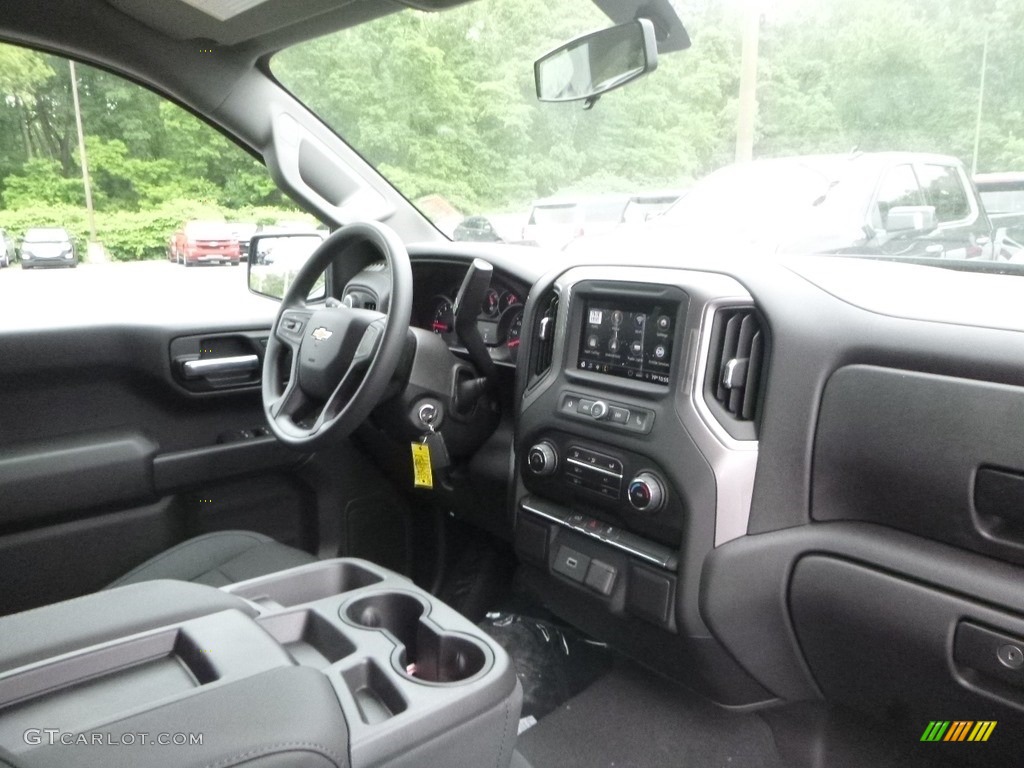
(322, 334)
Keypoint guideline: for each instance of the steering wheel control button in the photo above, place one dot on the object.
(599, 409)
(542, 459)
(1010, 656)
(571, 564)
(646, 493)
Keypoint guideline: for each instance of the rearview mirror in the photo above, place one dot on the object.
(596, 63)
(911, 218)
(275, 260)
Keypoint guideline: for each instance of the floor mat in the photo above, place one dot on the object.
(553, 662)
(631, 718)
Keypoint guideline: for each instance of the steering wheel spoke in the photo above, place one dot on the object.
(364, 355)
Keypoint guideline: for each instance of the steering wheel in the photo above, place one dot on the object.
(342, 358)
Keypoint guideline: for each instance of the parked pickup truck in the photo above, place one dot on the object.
(905, 204)
(1003, 197)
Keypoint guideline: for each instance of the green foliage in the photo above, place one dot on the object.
(40, 182)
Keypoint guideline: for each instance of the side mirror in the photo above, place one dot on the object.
(274, 260)
(594, 64)
(911, 218)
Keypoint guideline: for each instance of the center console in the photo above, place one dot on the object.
(622, 485)
(342, 661)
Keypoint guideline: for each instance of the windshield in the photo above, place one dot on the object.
(443, 105)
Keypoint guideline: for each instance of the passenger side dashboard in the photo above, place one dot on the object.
(848, 529)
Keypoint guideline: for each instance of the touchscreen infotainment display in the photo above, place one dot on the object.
(631, 340)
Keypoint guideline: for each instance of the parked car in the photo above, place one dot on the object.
(47, 247)
(1003, 197)
(556, 222)
(8, 249)
(243, 232)
(476, 229)
(648, 205)
(206, 242)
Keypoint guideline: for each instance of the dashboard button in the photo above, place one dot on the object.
(585, 407)
(640, 421)
(600, 577)
(571, 563)
(618, 415)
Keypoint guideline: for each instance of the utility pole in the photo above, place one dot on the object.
(747, 113)
(81, 153)
(981, 99)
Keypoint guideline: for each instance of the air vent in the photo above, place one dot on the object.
(544, 334)
(735, 364)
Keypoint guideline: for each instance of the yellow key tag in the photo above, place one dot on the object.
(422, 476)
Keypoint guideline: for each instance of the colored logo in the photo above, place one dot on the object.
(958, 730)
(322, 334)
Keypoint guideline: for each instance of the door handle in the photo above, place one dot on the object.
(219, 366)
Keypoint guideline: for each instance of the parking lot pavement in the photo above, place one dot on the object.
(147, 291)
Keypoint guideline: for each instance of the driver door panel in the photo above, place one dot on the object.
(107, 457)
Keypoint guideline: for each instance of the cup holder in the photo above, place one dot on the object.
(422, 651)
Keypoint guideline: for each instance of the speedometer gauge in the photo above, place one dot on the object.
(443, 319)
(511, 330)
(509, 299)
(491, 303)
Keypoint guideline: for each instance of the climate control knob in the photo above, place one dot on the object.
(599, 409)
(541, 459)
(646, 493)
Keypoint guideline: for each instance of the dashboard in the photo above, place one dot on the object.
(747, 470)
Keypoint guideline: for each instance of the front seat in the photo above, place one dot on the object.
(217, 559)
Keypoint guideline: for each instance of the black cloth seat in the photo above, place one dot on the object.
(219, 558)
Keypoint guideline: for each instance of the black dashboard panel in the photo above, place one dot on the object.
(934, 455)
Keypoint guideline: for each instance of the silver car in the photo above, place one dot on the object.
(47, 247)
(8, 251)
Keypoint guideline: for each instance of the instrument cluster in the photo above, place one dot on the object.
(499, 321)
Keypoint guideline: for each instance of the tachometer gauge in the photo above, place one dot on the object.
(511, 330)
(491, 303)
(509, 299)
(443, 319)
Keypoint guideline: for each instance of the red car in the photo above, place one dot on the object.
(205, 242)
